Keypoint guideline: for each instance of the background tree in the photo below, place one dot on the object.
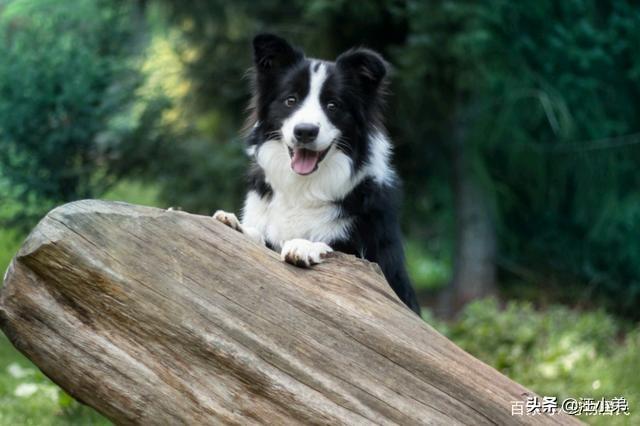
(63, 101)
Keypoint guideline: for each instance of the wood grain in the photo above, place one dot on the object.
(163, 317)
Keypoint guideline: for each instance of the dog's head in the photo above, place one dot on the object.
(316, 111)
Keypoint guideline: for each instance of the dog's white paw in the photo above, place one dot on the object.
(304, 253)
(229, 219)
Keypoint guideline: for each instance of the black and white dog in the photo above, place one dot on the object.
(320, 178)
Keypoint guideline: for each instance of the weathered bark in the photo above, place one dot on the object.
(159, 317)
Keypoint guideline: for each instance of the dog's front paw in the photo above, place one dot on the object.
(228, 219)
(304, 253)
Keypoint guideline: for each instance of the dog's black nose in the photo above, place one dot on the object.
(306, 132)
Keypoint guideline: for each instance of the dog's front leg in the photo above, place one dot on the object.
(231, 220)
(304, 253)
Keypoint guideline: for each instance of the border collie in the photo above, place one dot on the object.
(320, 178)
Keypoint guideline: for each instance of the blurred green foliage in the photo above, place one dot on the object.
(134, 192)
(9, 242)
(555, 352)
(112, 99)
(64, 76)
(29, 398)
(427, 271)
(548, 95)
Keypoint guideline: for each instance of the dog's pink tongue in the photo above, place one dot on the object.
(304, 161)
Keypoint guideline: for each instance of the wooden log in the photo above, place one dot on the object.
(163, 317)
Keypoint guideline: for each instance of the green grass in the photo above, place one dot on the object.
(136, 193)
(28, 397)
(427, 271)
(556, 352)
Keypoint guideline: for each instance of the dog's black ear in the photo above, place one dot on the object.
(271, 53)
(365, 66)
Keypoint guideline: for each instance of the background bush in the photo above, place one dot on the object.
(556, 352)
(65, 82)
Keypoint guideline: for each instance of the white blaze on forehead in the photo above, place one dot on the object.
(311, 111)
(318, 77)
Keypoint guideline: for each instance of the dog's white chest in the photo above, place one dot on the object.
(284, 218)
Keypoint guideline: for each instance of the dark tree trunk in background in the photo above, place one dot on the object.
(475, 234)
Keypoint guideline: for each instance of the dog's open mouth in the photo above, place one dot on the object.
(305, 161)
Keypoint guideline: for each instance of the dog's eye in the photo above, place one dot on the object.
(290, 101)
(332, 106)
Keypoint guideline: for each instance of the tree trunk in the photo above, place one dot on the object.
(474, 267)
(162, 317)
